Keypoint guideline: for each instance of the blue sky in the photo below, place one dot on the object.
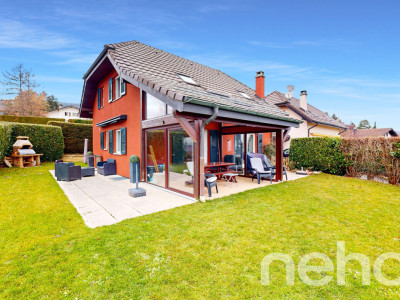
(344, 53)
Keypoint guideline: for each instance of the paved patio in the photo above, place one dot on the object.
(243, 184)
(104, 200)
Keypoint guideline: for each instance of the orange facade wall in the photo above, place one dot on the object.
(128, 104)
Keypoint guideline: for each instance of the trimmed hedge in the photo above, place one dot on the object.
(46, 140)
(80, 121)
(30, 120)
(318, 154)
(75, 135)
(5, 138)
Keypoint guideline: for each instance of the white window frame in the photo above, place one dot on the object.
(122, 84)
(118, 141)
(188, 79)
(112, 90)
(245, 95)
(117, 87)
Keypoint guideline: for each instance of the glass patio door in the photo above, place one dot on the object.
(180, 161)
(155, 157)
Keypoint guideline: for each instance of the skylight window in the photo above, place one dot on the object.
(188, 79)
(245, 95)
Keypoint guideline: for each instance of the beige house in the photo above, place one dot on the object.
(316, 123)
(65, 111)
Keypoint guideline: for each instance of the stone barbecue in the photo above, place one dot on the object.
(23, 155)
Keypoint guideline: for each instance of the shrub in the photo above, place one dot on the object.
(134, 159)
(75, 135)
(318, 154)
(46, 140)
(269, 150)
(5, 138)
(374, 157)
(30, 120)
(80, 121)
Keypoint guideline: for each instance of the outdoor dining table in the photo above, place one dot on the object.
(218, 168)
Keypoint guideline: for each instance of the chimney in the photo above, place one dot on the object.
(303, 100)
(260, 84)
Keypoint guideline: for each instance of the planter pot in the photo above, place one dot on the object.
(134, 170)
(91, 160)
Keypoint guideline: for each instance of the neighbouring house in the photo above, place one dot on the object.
(353, 132)
(65, 111)
(316, 122)
(177, 115)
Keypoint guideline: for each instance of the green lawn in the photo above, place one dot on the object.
(204, 250)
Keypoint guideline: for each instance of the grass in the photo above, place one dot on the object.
(211, 250)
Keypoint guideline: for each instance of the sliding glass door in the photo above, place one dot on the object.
(155, 157)
(181, 161)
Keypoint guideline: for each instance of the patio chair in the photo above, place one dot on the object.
(210, 180)
(189, 171)
(67, 171)
(108, 167)
(258, 171)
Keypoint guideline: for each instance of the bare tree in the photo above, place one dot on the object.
(18, 79)
(28, 103)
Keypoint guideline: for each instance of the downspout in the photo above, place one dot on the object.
(209, 120)
(311, 128)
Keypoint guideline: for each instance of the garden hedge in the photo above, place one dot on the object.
(318, 154)
(46, 140)
(75, 135)
(30, 120)
(80, 121)
(373, 157)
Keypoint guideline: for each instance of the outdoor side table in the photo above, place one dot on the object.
(230, 177)
(87, 171)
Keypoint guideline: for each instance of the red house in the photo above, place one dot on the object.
(176, 115)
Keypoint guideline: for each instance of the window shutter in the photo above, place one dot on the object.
(98, 98)
(111, 141)
(123, 140)
(110, 89)
(101, 140)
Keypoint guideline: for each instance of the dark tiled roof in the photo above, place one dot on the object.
(373, 132)
(313, 114)
(159, 70)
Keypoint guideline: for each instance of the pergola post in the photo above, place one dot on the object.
(198, 176)
(279, 155)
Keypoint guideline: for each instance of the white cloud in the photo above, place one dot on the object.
(15, 34)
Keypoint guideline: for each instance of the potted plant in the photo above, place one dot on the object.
(134, 168)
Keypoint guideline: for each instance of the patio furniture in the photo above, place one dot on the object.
(218, 168)
(210, 181)
(189, 171)
(93, 160)
(67, 171)
(267, 165)
(108, 167)
(87, 171)
(230, 177)
(258, 170)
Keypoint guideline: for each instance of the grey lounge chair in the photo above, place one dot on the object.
(258, 170)
(210, 181)
(67, 171)
(108, 167)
